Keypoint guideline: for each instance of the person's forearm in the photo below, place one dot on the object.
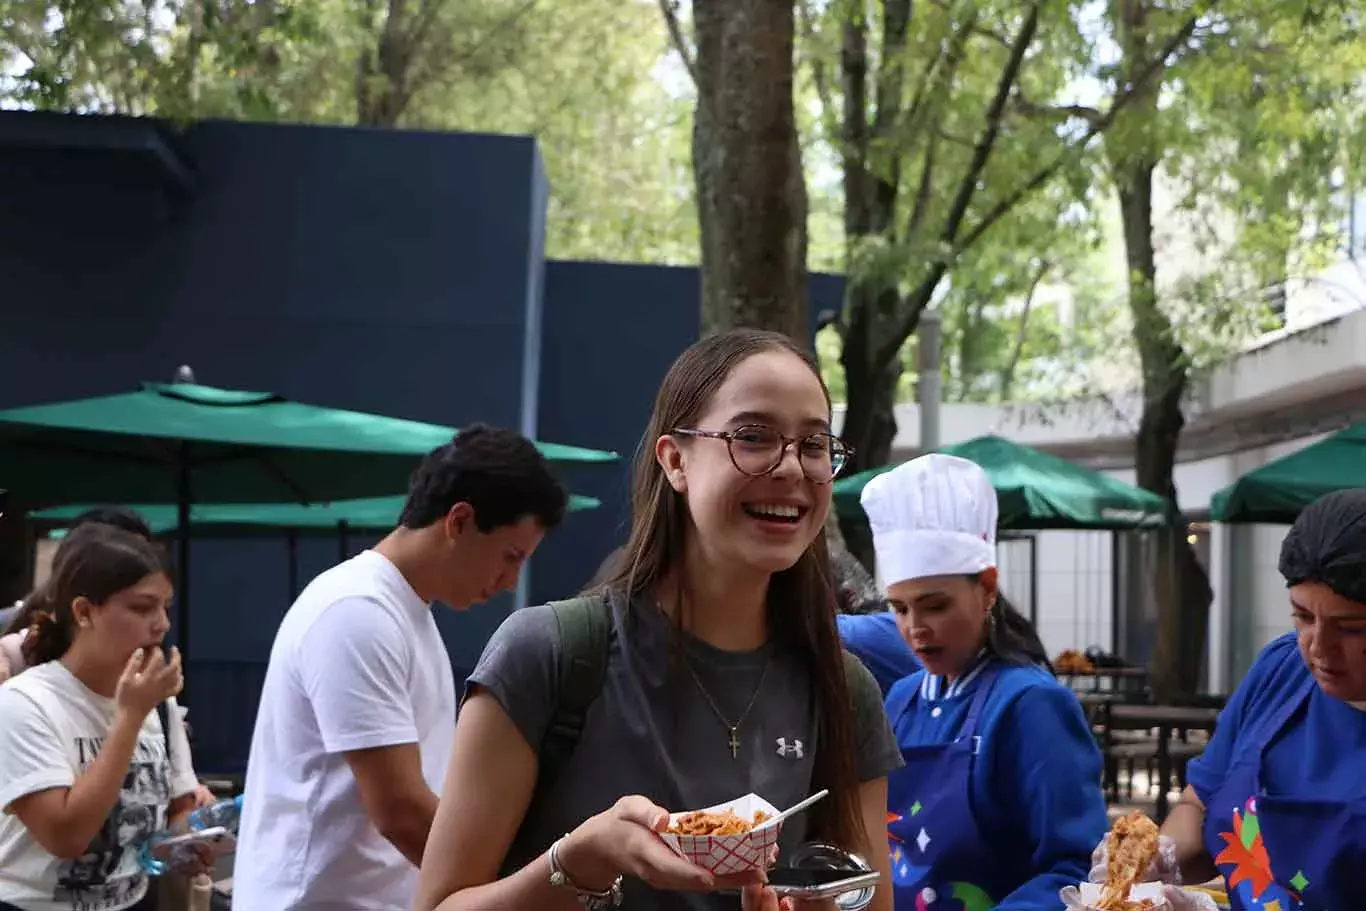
(1184, 827)
(180, 809)
(96, 790)
(406, 824)
(528, 889)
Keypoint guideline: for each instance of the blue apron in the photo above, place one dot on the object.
(940, 861)
(1284, 853)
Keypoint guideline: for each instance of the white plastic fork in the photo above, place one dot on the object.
(794, 809)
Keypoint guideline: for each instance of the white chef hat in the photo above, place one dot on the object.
(932, 516)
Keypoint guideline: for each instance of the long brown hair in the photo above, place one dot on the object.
(804, 593)
(95, 561)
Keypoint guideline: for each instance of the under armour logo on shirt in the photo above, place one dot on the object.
(791, 750)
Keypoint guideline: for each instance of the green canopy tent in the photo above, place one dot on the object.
(372, 514)
(181, 442)
(1275, 493)
(1037, 490)
(225, 445)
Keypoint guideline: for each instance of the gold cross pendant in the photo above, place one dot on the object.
(734, 743)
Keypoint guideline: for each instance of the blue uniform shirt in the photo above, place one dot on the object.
(1035, 787)
(875, 640)
(1320, 752)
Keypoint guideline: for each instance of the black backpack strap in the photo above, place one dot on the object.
(585, 627)
(164, 715)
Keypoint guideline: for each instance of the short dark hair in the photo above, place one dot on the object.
(498, 472)
(1327, 544)
(118, 516)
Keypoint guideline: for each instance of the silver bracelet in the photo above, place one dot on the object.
(588, 900)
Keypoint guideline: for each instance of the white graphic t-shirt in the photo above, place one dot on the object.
(51, 729)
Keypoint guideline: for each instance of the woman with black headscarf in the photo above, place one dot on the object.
(1276, 805)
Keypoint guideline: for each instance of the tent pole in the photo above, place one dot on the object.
(183, 495)
(1117, 593)
(1034, 580)
(292, 543)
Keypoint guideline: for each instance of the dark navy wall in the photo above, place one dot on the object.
(383, 271)
(611, 332)
(296, 246)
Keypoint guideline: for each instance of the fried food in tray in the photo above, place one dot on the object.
(1071, 661)
(1131, 850)
(704, 822)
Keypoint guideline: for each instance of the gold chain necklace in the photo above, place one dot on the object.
(732, 730)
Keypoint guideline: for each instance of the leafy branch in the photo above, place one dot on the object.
(967, 188)
(955, 243)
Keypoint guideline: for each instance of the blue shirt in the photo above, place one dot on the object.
(1320, 752)
(1035, 786)
(875, 640)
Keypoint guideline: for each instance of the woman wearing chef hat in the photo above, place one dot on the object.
(999, 804)
(1276, 805)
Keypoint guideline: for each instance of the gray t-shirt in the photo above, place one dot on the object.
(652, 732)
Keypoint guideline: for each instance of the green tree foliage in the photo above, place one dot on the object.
(579, 76)
(1024, 314)
(1264, 134)
(924, 105)
(1253, 125)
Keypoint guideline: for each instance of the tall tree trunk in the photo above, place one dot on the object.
(869, 418)
(870, 194)
(1180, 585)
(878, 318)
(751, 192)
(382, 71)
(747, 165)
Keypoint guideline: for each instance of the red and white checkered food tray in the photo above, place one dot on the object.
(723, 854)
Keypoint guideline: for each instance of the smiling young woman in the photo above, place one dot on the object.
(724, 673)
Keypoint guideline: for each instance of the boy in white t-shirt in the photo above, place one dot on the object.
(358, 709)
